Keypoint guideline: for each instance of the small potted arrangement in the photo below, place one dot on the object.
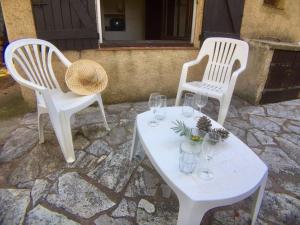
(203, 127)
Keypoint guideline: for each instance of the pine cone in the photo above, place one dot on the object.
(204, 124)
(223, 133)
(214, 136)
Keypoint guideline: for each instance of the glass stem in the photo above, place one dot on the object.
(153, 111)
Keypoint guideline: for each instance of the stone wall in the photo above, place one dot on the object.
(134, 73)
(18, 19)
(262, 21)
(251, 83)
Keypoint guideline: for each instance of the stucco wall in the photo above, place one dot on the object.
(18, 19)
(261, 21)
(250, 83)
(133, 74)
(264, 22)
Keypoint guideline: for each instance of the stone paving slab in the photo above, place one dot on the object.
(79, 197)
(103, 187)
(42, 216)
(14, 203)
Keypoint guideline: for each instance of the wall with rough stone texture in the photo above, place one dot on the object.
(250, 83)
(18, 19)
(261, 21)
(264, 22)
(134, 73)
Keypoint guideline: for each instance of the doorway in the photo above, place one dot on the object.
(168, 19)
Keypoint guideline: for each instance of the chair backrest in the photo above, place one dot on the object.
(34, 57)
(223, 53)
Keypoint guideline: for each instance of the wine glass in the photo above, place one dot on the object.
(154, 104)
(200, 102)
(160, 113)
(188, 104)
(208, 151)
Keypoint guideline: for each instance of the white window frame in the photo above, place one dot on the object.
(194, 21)
(99, 22)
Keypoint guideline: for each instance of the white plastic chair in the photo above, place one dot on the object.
(34, 57)
(218, 80)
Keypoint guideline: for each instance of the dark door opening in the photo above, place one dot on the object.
(283, 81)
(168, 19)
(153, 19)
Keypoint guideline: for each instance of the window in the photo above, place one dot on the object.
(113, 17)
(145, 22)
(278, 4)
(83, 24)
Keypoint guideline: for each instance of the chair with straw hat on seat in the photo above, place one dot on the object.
(85, 78)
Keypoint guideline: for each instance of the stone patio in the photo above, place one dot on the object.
(103, 187)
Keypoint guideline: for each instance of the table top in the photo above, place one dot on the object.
(237, 169)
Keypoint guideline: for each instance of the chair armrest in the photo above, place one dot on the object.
(42, 90)
(191, 63)
(232, 82)
(15, 74)
(236, 73)
(185, 67)
(62, 58)
(31, 85)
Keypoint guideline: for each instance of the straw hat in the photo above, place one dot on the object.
(86, 77)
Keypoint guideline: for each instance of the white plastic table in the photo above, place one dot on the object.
(238, 172)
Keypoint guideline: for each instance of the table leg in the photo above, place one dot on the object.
(135, 142)
(190, 213)
(258, 199)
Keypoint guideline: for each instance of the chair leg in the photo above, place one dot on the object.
(178, 97)
(68, 140)
(63, 133)
(100, 102)
(41, 128)
(135, 141)
(224, 105)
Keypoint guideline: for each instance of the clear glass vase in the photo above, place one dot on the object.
(188, 156)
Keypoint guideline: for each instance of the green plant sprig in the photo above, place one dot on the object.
(181, 129)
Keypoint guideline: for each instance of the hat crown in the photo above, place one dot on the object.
(90, 77)
(86, 77)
